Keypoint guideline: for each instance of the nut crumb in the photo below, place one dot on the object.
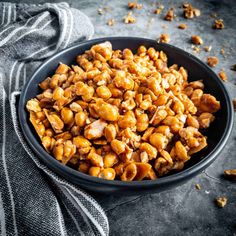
(196, 40)
(196, 49)
(231, 174)
(158, 10)
(164, 26)
(164, 38)
(190, 11)
(212, 61)
(198, 186)
(170, 15)
(223, 75)
(208, 48)
(222, 51)
(103, 10)
(233, 67)
(234, 104)
(111, 22)
(129, 19)
(132, 5)
(218, 24)
(221, 201)
(182, 26)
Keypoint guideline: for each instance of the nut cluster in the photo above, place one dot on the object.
(120, 115)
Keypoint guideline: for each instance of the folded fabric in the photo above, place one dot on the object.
(33, 199)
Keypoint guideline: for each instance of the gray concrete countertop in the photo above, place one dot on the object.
(183, 210)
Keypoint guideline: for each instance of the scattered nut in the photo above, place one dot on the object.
(218, 24)
(129, 19)
(231, 174)
(221, 201)
(212, 61)
(233, 67)
(198, 186)
(170, 15)
(196, 49)
(132, 5)
(103, 10)
(158, 10)
(223, 75)
(208, 48)
(190, 12)
(164, 38)
(222, 51)
(182, 26)
(111, 22)
(234, 104)
(196, 39)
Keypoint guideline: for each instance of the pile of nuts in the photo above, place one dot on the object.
(120, 115)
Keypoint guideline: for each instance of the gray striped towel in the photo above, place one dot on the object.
(33, 200)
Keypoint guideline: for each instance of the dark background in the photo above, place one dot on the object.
(183, 210)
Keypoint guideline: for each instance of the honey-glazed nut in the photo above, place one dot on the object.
(128, 104)
(192, 121)
(129, 19)
(196, 40)
(84, 167)
(230, 174)
(62, 69)
(45, 84)
(110, 159)
(149, 149)
(33, 105)
(55, 121)
(132, 5)
(154, 86)
(81, 142)
(95, 130)
(129, 172)
(221, 201)
(142, 170)
(142, 122)
(181, 152)
(80, 118)
(127, 54)
(123, 82)
(65, 136)
(48, 143)
(67, 115)
(127, 120)
(167, 156)
(107, 173)
(165, 130)
(182, 26)
(110, 132)
(190, 12)
(170, 15)
(209, 104)
(118, 146)
(223, 75)
(111, 22)
(94, 171)
(212, 61)
(196, 96)
(218, 24)
(158, 116)
(49, 132)
(205, 120)
(164, 38)
(103, 92)
(95, 159)
(198, 84)
(148, 133)
(158, 140)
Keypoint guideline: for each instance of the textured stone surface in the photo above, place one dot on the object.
(184, 210)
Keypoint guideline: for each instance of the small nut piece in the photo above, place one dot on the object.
(218, 24)
(170, 15)
(132, 5)
(230, 174)
(164, 38)
(223, 75)
(221, 201)
(129, 19)
(212, 61)
(182, 26)
(196, 40)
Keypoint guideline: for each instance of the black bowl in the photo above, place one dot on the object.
(217, 134)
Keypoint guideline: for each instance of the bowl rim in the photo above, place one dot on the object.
(52, 163)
